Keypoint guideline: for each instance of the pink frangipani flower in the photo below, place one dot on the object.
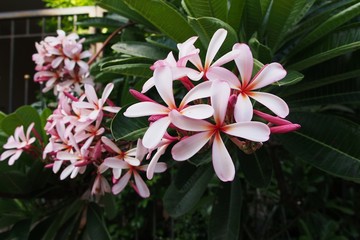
(17, 144)
(247, 87)
(164, 86)
(222, 162)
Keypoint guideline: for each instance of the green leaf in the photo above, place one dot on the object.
(256, 167)
(101, 22)
(124, 128)
(163, 16)
(329, 25)
(316, 99)
(65, 214)
(21, 230)
(260, 51)
(141, 49)
(253, 17)
(13, 182)
(201, 158)
(205, 27)
(186, 190)
(292, 77)
(226, 214)
(132, 69)
(235, 13)
(24, 115)
(284, 15)
(322, 57)
(95, 228)
(207, 8)
(121, 8)
(326, 142)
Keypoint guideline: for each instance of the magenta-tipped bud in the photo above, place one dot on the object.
(139, 96)
(272, 119)
(285, 128)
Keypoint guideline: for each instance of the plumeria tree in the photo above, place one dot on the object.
(230, 111)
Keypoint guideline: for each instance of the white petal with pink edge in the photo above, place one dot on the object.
(244, 62)
(142, 189)
(243, 110)
(215, 43)
(221, 159)
(201, 90)
(188, 147)
(164, 85)
(254, 131)
(145, 109)
(155, 132)
(222, 74)
(110, 144)
(220, 94)
(187, 123)
(154, 161)
(274, 103)
(121, 184)
(113, 162)
(200, 111)
(267, 75)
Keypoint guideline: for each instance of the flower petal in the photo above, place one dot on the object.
(91, 94)
(187, 123)
(244, 62)
(110, 144)
(201, 90)
(155, 132)
(222, 74)
(219, 100)
(221, 159)
(243, 110)
(188, 147)
(164, 85)
(107, 90)
(147, 85)
(153, 162)
(254, 131)
(145, 109)
(113, 162)
(274, 103)
(200, 111)
(142, 189)
(215, 43)
(267, 75)
(121, 184)
(226, 58)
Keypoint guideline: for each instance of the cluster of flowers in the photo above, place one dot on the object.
(59, 62)
(218, 103)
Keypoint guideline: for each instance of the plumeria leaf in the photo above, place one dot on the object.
(283, 16)
(124, 128)
(21, 230)
(226, 213)
(205, 27)
(24, 115)
(67, 213)
(15, 183)
(122, 9)
(326, 142)
(253, 18)
(260, 51)
(102, 22)
(187, 188)
(201, 158)
(256, 167)
(292, 77)
(135, 69)
(95, 225)
(141, 49)
(235, 13)
(205, 8)
(329, 25)
(155, 11)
